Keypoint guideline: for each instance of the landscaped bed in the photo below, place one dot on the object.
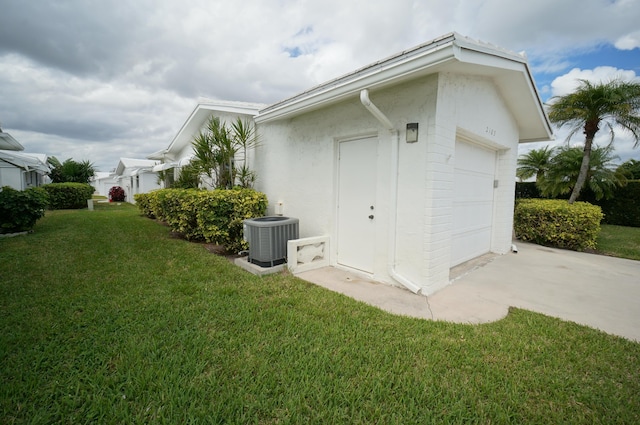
(107, 319)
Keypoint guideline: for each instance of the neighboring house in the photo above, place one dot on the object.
(21, 170)
(136, 176)
(102, 181)
(405, 168)
(180, 151)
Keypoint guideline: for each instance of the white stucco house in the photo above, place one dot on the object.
(135, 176)
(404, 168)
(20, 170)
(180, 152)
(102, 181)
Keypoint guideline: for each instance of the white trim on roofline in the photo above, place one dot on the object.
(451, 52)
(202, 110)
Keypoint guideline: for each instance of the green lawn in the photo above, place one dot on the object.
(619, 241)
(104, 318)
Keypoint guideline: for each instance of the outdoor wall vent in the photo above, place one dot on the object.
(267, 238)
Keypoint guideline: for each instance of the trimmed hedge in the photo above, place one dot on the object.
(214, 216)
(554, 222)
(623, 209)
(68, 196)
(19, 210)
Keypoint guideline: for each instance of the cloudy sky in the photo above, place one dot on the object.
(102, 79)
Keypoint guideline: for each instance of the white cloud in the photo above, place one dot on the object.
(628, 41)
(568, 82)
(117, 78)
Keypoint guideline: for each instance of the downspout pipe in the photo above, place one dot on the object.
(393, 219)
(364, 99)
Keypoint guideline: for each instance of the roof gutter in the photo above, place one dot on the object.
(395, 136)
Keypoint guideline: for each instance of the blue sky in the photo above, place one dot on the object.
(598, 56)
(103, 80)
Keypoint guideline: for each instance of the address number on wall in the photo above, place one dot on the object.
(490, 131)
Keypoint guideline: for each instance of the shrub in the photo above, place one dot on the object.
(116, 194)
(64, 196)
(215, 216)
(557, 223)
(622, 209)
(144, 201)
(19, 210)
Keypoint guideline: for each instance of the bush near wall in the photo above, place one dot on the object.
(68, 196)
(623, 209)
(19, 210)
(555, 222)
(214, 216)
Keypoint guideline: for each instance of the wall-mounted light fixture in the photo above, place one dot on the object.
(412, 132)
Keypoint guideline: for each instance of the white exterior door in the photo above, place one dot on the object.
(472, 202)
(357, 203)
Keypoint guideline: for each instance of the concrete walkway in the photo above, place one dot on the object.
(594, 290)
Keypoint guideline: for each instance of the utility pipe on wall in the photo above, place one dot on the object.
(395, 146)
(364, 99)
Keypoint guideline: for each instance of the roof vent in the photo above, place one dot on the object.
(267, 238)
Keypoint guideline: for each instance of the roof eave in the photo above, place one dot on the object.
(404, 66)
(7, 142)
(203, 110)
(441, 54)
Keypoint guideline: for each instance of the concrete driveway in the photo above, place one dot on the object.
(594, 290)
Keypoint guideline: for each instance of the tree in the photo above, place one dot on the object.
(631, 169)
(246, 138)
(565, 167)
(70, 171)
(591, 105)
(217, 150)
(535, 163)
(189, 178)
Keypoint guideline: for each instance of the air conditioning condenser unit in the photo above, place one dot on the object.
(267, 238)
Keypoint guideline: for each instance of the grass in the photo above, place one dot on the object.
(619, 241)
(106, 319)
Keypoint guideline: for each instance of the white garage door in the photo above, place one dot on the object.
(472, 201)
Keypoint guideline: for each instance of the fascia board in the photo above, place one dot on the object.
(377, 75)
(446, 51)
(182, 129)
(518, 70)
(9, 143)
(202, 111)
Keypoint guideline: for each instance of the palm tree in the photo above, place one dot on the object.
(631, 169)
(535, 163)
(245, 137)
(213, 153)
(70, 170)
(216, 151)
(603, 175)
(590, 105)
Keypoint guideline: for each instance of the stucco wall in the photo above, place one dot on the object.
(103, 185)
(297, 165)
(471, 109)
(11, 176)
